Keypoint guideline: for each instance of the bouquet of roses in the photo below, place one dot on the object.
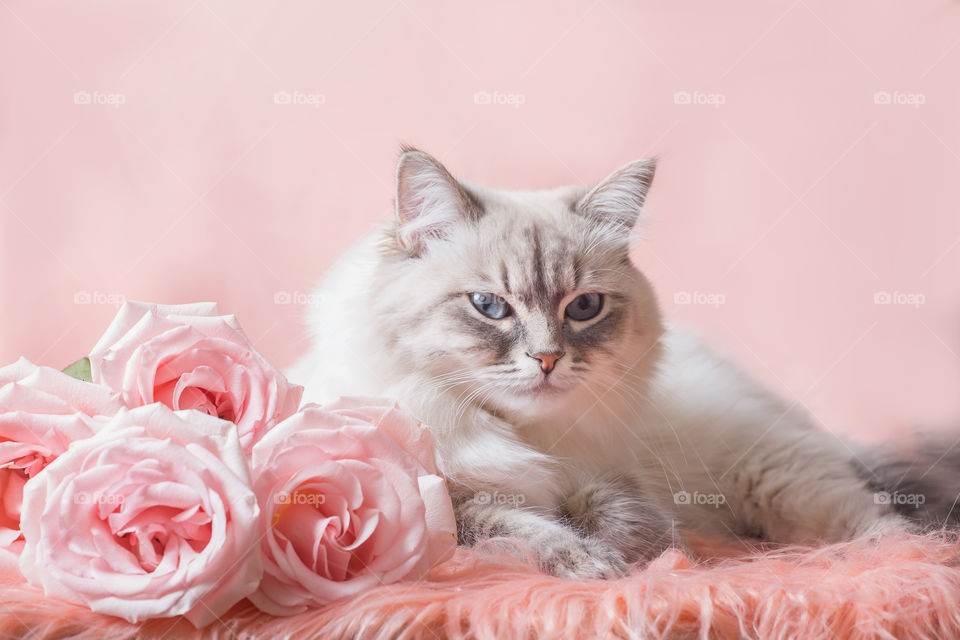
(173, 472)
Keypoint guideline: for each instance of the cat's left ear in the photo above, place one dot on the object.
(619, 198)
(430, 202)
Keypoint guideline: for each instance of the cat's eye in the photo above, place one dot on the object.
(584, 306)
(490, 305)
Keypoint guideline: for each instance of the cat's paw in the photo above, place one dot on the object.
(886, 525)
(579, 559)
(615, 511)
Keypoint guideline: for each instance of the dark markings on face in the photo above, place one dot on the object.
(555, 327)
(447, 298)
(560, 281)
(474, 208)
(549, 272)
(599, 334)
(539, 277)
(577, 271)
(491, 338)
(574, 201)
(548, 284)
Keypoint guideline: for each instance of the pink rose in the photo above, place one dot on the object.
(153, 516)
(188, 357)
(41, 412)
(351, 499)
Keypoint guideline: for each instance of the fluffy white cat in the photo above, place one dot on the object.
(566, 413)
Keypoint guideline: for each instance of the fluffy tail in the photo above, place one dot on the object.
(922, 485)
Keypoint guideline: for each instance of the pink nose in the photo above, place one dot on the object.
(548, 359)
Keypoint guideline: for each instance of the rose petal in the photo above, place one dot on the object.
(42, 411)
(189, 357)
(152, 516)
(372, 525)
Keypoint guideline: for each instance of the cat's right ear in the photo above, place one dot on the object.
(430, 202)
(618, 200)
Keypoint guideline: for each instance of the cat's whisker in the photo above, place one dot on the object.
(667, 466)
(454, 377)
(683, 446)
(462, 405)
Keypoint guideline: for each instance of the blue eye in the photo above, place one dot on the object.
(490, 305)
(584, 306)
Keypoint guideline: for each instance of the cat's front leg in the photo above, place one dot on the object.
(558, 549)
(614, 509)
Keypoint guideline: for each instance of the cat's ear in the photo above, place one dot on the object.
(619, 198)
(430, 202)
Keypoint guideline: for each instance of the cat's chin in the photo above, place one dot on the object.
(543, 387)
(537, 397)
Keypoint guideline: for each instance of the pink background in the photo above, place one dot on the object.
(785, 186)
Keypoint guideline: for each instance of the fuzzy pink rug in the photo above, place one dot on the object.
(896, 588)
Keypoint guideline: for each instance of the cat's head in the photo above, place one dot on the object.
(523, 302)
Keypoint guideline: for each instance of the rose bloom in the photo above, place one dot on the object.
(188, 357)
(351, 499)
(153, 516)
(42, 411)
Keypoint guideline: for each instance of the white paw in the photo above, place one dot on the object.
(887, 524)
(576, 558)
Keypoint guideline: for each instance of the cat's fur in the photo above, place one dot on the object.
(641, 430)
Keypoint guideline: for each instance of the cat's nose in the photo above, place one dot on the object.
(548, 359)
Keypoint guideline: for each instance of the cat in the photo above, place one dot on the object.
(567, 413)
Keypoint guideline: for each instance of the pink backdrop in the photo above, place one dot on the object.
(175, 151)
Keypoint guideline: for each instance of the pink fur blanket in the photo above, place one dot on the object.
(896, 588)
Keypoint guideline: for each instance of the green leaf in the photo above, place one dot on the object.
(80, 370)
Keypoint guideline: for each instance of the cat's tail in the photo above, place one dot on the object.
(921, 484)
